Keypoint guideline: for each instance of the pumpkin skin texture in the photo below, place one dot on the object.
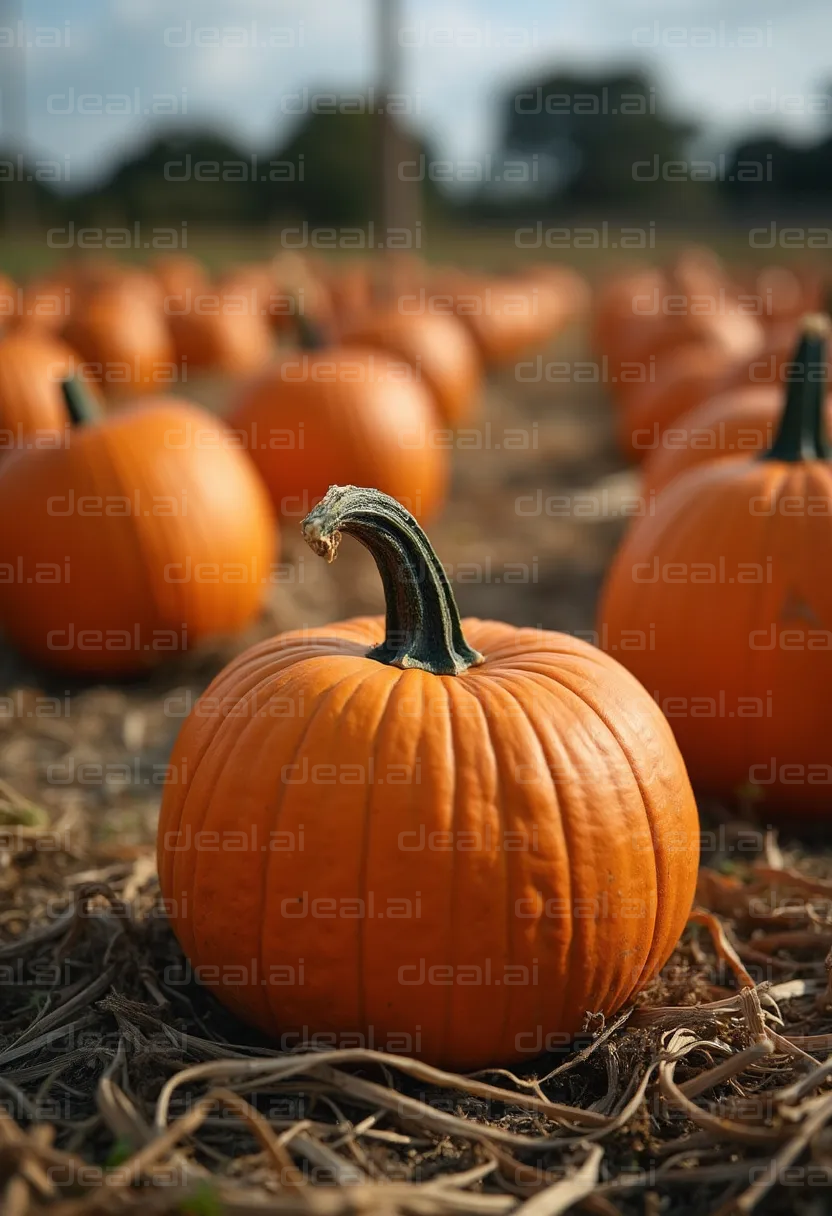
(439, 347)
(733, 426)
(354, 424)
(539, 739)
(730, 573)
(32, 367)
(167, 541)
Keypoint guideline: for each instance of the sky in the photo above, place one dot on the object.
(733, 66)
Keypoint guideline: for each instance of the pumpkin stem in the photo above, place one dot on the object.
(802, 432)
(423, 626)
(311, 336)
(80, 405)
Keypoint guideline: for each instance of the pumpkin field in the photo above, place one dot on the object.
(415, 764)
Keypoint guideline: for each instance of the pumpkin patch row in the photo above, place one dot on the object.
(727, 574)
(336, 377)
(452, 726)
(745, 711)
(675, 338)
(147, 328)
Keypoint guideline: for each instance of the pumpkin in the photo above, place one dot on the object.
(298, 293)
(253, 280)
(32, 407)
(221, 328)
(693, 306)
(388, 280)
(686, 376)
(769, 366)
(690, 376)
(507, 316)
(782, 295)
(568, 283)
(613, 307)
(178, 273)
(122, 332)
(43, 306)
(465, 833)
(732, 426)
(147, 532)
(8, 302)
(89, 276)
(341, 413)
(726, 584)
(440, 348)
(351, 292)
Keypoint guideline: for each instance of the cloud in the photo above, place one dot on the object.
(232, 62)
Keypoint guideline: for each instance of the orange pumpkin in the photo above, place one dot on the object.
(732, 426)
(32, 406)
(507, 316)
(681, 380)
(769, 365)
(345, 413)
(122, 332)
(571, 286)
(726, 584)
(782, 295)
(351, 291)
(693, 306)
(178, 273)
(8, 302)
(298, 293)
(147, 532)
(43, 306)
(616, 305)
(89, 276)
(357, 287)
(221, 327)
(440, 348)
(692, 374)
(484, 831)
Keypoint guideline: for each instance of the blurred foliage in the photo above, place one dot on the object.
(570, 143)
(593, 131)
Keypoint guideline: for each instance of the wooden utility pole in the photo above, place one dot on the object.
(398, 200)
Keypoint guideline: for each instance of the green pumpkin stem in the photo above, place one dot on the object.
(802, 432)
(311, 335)
(80, 405)
(423, 626)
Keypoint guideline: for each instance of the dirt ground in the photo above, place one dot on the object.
(669, 1108)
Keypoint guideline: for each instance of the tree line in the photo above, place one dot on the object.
(569, 143)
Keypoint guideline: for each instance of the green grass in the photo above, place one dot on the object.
(486, 248)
